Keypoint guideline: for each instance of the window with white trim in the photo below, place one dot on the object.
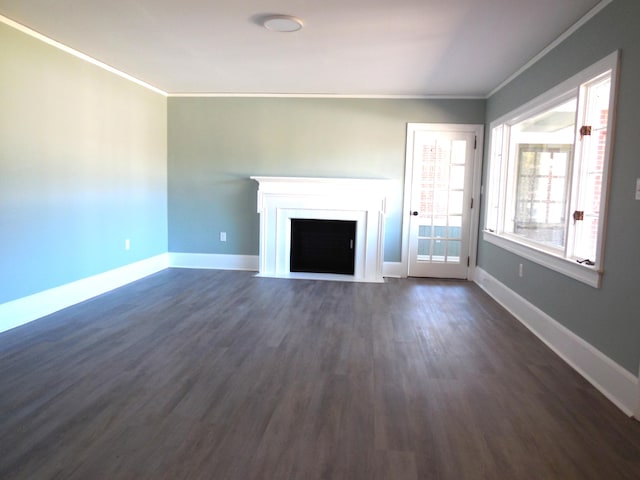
(548, 174)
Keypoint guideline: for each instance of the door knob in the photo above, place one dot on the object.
(415, 214)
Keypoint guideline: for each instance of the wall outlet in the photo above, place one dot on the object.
(127, 244)
(638, 189)
(223, 236)
(520, 271)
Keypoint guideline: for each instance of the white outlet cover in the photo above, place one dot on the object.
(638, 189)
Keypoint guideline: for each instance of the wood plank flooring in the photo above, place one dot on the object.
(199, 374)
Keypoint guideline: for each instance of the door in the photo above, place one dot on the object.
(440, 202)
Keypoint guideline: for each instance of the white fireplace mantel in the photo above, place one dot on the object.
(281, 199)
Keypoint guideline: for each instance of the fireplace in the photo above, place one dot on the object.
(322, 246)
(284, 200)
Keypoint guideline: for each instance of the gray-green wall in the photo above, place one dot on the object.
(82, 168)
(609, 317)
(215, 144)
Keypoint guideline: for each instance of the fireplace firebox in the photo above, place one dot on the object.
(323, 246)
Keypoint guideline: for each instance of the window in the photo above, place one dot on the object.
(548, 171)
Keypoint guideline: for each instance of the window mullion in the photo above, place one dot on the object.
(504, 178)
(509, 185)
(575, 175)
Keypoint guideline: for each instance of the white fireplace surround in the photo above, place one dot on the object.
(281, 199)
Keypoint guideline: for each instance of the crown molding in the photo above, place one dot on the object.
(324, 95)
(80, 55)
(570, 31)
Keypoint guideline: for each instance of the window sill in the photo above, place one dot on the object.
(583, 273)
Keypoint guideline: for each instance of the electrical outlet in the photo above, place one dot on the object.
(223, 236)
(520, 271)
(127, 244)
(638, 189)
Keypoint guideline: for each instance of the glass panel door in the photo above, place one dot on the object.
(440, 204)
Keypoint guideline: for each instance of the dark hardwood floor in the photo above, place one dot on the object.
(199, 374)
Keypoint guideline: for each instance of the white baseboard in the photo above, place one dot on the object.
(214, 261)
(26, 309)
(613, 381)
(392, 269)
(245, 262)
(637, 414)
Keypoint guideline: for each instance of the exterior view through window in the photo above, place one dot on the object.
(548, 172)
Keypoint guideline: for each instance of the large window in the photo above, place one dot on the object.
(548, 172)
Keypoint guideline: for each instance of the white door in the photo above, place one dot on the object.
(440, 202)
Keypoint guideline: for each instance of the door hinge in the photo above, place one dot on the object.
(468, 262)
(475, 142)
(471, 203)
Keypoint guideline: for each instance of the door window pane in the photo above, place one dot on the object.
(456, 181)
(440, 231)
(455, 232)
(458, 152)
(439, 250)
(424, 231)
(453, 251)
(424, 249)
(456, 202)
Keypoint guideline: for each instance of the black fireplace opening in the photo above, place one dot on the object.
(323, 246)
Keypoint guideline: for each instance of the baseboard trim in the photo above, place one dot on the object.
(26, 309)
(214, 261)
(248, 263)
(637, 414)
(392, 270)
(612, 380)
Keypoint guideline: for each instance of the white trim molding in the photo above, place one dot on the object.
(26, 309)
(324, 95)
(393, 270)
(570, 268)
(570, 31)
(80, 55)
(637, 414)
(612, 380)
(213, 261)
(249, 263)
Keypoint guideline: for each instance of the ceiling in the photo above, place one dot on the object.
(453, 48)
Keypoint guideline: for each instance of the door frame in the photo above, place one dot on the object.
(478, 131)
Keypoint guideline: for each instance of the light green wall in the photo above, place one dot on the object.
(215, 144)
(82, 167)
(609, 317)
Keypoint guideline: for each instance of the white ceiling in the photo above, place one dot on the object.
(348, 47)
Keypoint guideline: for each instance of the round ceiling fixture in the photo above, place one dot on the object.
(282, 23)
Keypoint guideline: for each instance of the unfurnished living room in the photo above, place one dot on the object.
(320, 240)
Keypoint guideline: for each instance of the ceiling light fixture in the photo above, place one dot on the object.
(282, 23)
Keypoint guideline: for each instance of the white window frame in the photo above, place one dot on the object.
(497, 180)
